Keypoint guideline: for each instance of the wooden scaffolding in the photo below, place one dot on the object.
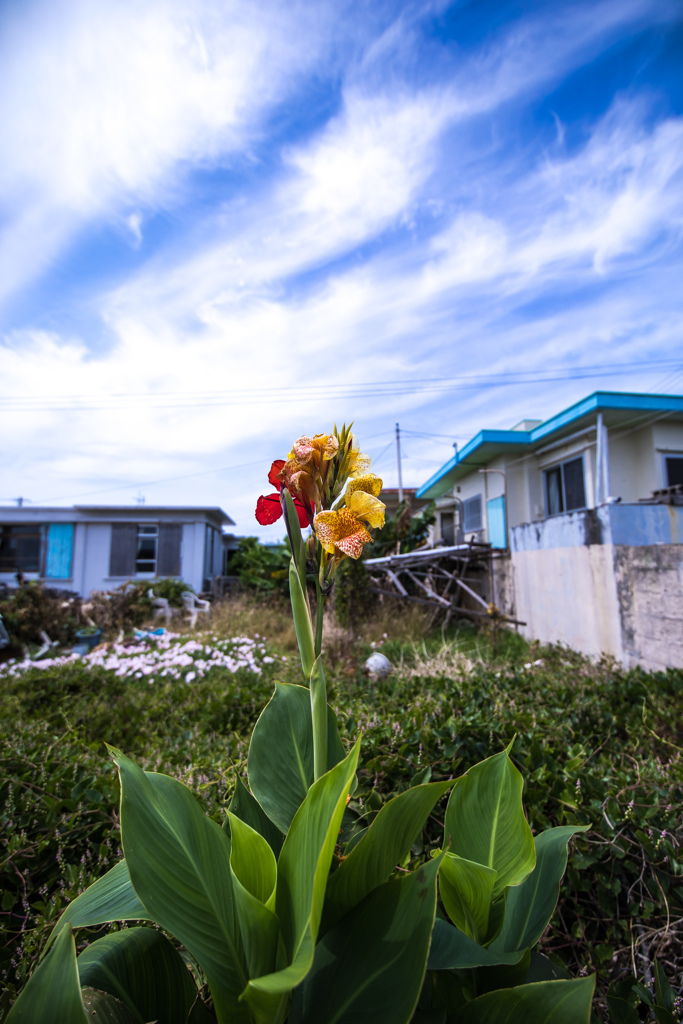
(454, 581)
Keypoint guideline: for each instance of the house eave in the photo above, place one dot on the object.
(618, 408)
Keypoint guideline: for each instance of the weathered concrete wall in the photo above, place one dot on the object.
(649, 582)
(568, 595)
(502, 586)
(606, 580)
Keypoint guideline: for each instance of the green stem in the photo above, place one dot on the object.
(319, 694)
(319, 719)
(319, 608)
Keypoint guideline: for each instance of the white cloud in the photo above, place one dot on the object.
(108, 104)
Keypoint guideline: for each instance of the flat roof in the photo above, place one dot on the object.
(617, 409)
(14, 513)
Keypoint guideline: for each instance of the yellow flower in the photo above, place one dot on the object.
(341, 533)
(368, 507)
(357, 461)
(362, 497)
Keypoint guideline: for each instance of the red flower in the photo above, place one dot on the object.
(269, 506)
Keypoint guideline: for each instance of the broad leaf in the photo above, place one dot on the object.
(111, 898)
(303, 870)
(485, 821)
(269, 995)
(102, 1008)
(663, 990)
(280, 765)
(382, 847)
(247, 808)
(558, 1002)
(621, 1012)
(451, 948)
(307, 852)
(371, 965)
(140, 968)
(178, 860)
(53, 992)
(543, 969)
(252, 860)
(254, 871)
(530, 905)
(467, 892)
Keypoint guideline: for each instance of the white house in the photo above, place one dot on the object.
(588, 506)
(97, 547)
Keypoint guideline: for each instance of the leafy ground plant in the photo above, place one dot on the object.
(278, 918)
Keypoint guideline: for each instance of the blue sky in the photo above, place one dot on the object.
(223, 225)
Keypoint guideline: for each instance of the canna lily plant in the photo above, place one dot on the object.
(287, 913)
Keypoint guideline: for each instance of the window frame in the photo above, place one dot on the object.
(558, 469)
(673, 455)
(27, 530)
(148, 531)
(468, 518)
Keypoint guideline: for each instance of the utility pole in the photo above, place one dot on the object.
(398, 456)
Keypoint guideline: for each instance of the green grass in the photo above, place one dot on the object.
(595, 744)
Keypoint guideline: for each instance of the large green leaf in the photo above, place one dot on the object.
(53, 992)
(102, 1008)
(254, 873)
(370, 966)
(485, 821)
(111, 898)
(302, 873)
(179, 866)
(467, 892)
(247, 808)
(544, 1002)
(269, 995)
(530, 905)
(382, 847)
(451, 948)
(141, 968)
(280, 765)
(306, 855)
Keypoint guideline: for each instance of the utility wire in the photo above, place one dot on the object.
(371, 389)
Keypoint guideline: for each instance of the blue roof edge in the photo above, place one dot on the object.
(593, 403)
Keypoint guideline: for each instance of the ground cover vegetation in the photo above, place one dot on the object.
(318, 902)
(593, 743)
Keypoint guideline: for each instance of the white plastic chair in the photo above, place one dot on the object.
(194, 605)
(162, 609)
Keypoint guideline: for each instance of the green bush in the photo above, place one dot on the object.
(594, 743)
(262, 568)
(34, 608)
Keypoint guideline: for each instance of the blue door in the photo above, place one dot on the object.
(495, 514)
(60, 547)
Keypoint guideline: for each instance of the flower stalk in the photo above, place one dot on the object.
(324, 483)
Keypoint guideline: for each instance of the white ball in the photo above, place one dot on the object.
(378, 665)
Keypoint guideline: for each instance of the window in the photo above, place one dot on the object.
(146, 554)
(149, 550)
(472, 514)
(564, 487)
(673, 467)
(20, 548)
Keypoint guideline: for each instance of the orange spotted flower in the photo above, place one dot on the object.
(341, 533)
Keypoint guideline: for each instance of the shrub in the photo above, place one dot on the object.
(33, 608)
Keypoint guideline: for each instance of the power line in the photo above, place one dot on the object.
(148, 483)
(279, 395)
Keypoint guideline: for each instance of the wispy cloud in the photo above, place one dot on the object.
(385, 207)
